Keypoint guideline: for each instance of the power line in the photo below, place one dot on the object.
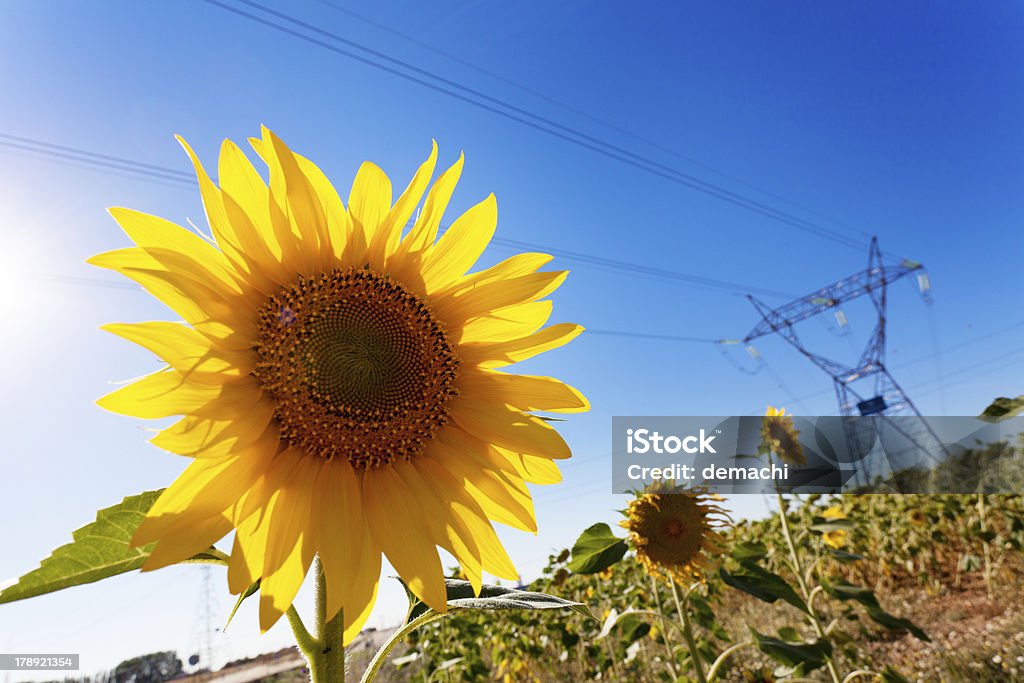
(151, 171)
(527, 118)
(660, 337)
(582, 113)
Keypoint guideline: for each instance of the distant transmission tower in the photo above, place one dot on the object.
(207, 634)
(867, 387)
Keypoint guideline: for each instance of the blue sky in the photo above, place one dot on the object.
(896, 120)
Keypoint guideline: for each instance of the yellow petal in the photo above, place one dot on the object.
(503, 498)
(338, 223)
(514, 266)
(187, 351)
(230, 237)
(246, 200)
(290, 544)
(468, 518)
(424, 231)
(368, 203)
(251, 515)
(522, 392)
(461, 245)
(500, 353)
(446, 527)
(363, 592)
(167, 393)
(246, 562)
(485, 299)
(533, 469)
(188, 542)
(224, 317)
(294, 260)
(505, 323)
(203, 437)
(151, 232)
(510, 429)
(384, 242)
(303, 208)
(395, 518)
(341, 532)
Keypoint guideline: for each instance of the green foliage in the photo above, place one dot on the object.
(99, 550)
(152, 668)
(460, 596)
(762, 584)
(1002, 408)
(248, 593)
(802, 657)
(596, 549)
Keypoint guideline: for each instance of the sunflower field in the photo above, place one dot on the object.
(890, 588)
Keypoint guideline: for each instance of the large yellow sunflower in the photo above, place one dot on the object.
(339, 382)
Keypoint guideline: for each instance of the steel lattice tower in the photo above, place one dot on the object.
(867, 387)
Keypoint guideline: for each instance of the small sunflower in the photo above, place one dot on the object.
(673, 532)
(834, 512)
(339, 382)
(781, 437)
(835, 539)
(918, 518)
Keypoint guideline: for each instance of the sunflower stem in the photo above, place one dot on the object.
(326, 652)
(670, 662)
(806, 593)
(306, 642)
(684, 618)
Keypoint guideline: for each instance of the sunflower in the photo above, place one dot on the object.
(673, 531)
(918, 518)
(834, 512)
(835, 539)
(338, 383)
(781, 437)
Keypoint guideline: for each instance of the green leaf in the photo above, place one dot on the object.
(596, 549)
(842, 590)
(843, 556)
(789, 634)
(762, 584)
(809, 656)
(749, 551)
(460, 597)
(1002, 408)
(896, 623)
(99, 550)
(823, 526)
(249, 592)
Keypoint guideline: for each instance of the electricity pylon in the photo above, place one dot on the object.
(866, 388)
(207, 638)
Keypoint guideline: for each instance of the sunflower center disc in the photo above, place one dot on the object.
(358, 366)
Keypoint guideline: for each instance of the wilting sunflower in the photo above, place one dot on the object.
(673, 531)
(781, 437)
(339, 383)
